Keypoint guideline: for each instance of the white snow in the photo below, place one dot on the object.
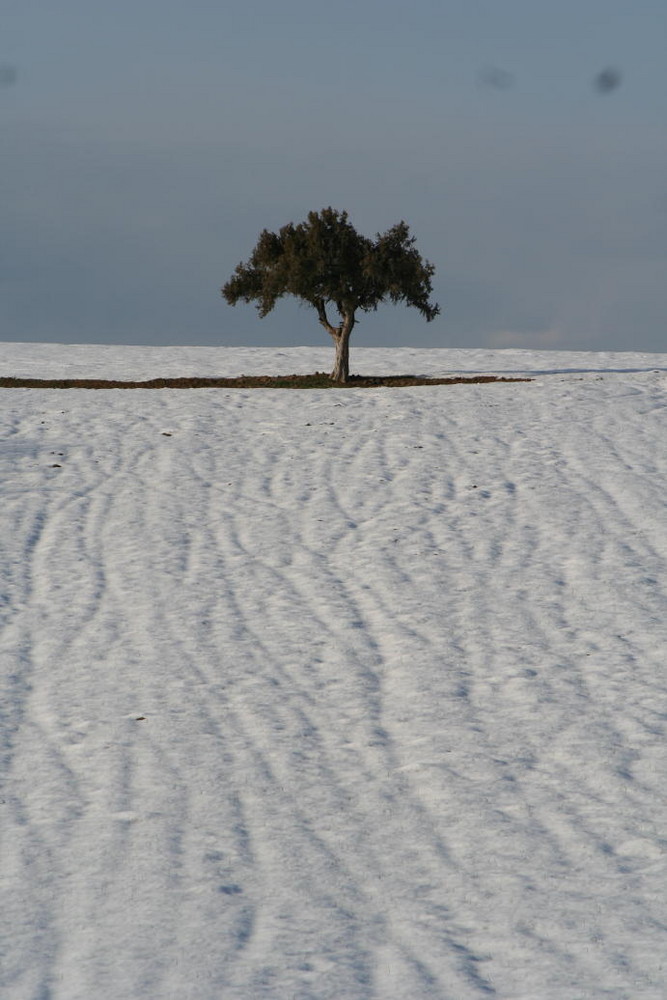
(344, 694)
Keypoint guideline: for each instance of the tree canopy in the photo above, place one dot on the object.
(325, 262)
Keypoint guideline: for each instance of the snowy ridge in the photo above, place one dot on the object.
(334, 694)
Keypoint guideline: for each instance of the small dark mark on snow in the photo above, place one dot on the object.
(166, 434)
(140, 718)
(56, 466)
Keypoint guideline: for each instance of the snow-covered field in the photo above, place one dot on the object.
(341, 694)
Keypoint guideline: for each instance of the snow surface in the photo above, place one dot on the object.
(334, 694)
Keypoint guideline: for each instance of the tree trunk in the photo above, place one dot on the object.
(341, 338)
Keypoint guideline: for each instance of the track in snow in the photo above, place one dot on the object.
(336, 694)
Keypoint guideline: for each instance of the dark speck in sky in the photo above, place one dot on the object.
(499, 79)
(607, 80)
(7, 75)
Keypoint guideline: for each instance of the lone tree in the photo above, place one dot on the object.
(326, 262)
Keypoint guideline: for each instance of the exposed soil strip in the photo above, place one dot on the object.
(319, 380)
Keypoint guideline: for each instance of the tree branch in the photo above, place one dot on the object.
(324, 319)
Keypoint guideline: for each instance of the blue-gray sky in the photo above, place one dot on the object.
(146, 143)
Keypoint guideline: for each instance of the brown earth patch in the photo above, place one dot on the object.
(319, 380)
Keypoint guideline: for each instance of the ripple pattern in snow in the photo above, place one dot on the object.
(334, 694)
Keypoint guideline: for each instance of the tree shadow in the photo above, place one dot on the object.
(580, 371)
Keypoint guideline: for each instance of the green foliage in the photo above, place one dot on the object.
(324, 260)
